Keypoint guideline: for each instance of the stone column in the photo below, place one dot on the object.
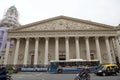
(113, 49)
(7, 52)
(87, 48)
(56, 48)
(16, 51)
(117, 48)
(46, 50)
(98, 49)
(77, 47)
(108, 49)
(26, 51)
(36, 51)
(67, 48)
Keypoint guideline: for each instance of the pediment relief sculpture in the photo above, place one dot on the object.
(62, 24)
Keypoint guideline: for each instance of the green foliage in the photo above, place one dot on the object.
(10, 70)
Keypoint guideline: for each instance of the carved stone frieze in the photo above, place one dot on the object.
(63, 24)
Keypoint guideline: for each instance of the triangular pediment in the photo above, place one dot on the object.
(63, 23)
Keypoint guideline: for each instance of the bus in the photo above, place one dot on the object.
(72, 65)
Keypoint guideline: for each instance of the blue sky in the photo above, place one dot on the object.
(101, 11)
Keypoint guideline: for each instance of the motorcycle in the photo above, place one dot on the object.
(9, 77)
(82, 77)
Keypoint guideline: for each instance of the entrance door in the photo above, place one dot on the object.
(92, 56)
(32, 60)
(62, 57)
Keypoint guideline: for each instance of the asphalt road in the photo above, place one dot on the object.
(49, 76)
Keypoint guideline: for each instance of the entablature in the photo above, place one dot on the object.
(61, 34)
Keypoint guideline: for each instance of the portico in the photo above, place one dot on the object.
(71, 47)
(60, 38)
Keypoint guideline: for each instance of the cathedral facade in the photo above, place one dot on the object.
(58, 38)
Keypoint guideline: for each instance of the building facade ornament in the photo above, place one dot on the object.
(63, 24)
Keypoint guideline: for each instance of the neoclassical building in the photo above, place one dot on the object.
(58, 38)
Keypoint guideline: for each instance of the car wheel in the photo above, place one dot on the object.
(116, 74)
(103, 74)
(59, 71)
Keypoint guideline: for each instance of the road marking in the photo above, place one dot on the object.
(42, 79)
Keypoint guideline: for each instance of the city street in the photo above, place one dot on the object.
(49, 76)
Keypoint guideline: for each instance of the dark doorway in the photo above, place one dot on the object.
(92, 56)
(62, 57)
(32, 59)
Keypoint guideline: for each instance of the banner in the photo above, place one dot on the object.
(12, 43)
(3, 38)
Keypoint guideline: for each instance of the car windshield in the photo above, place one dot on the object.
(100, 68)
